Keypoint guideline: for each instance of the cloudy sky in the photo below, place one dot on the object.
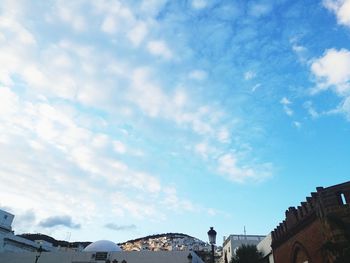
(120, 119)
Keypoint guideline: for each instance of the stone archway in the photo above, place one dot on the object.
(300, 254)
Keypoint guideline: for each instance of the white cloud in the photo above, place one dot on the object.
(299, 50)
(259, 9)
(199, 4)
(109, 25)
(138, 33)
(311, 110)
(180, 98)
(69, 13)
(204, 120)
(332, 70)
(145, 181)
(172, 201)
(151, 8)
(134, 207)
(286, 102)
(119, 147)
(223, 135)
(202, 149)
(198, 75)
(151, 98)
(256, 87)
(46, 70)
(100, 140)
(341, 8)
(159, 48)
(345, 107)
(297, 124)
(229, 168)
(147, 95)
(288, 111)
(117, 18)
(249, 75)
(154, 102)
(54, 77)
(62, 61)
(8, 102)
(62, 148)
(154, 207)
(22, 34)
(23, 221)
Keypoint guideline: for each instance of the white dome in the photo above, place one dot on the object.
(103, 246)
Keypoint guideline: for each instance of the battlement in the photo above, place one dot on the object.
(296, 217)
(318, 205)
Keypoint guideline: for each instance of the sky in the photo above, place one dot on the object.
(120, 119)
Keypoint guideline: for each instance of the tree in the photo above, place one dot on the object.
(247, 254)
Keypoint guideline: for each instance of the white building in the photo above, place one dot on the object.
(265, 248)
(6, 220)
(10, 242)
(102, 252)
(233, 242)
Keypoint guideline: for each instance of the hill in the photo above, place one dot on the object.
(54, 242)
(165, 242)
(157, 242)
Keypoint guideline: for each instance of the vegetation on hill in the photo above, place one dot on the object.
(53, 241)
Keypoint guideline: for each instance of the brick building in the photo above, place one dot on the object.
(317, 231)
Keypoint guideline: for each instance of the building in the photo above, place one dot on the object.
(6, 220)
(102, 251)
(233, 242)
(166, 242)
(102, 256)
(265, 248)
(10, 242)
(316, 231)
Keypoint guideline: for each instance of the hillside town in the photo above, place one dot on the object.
(166, 242)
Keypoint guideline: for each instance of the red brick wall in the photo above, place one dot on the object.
(310, 237)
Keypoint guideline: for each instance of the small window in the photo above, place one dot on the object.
(343, 199)
(101, 255)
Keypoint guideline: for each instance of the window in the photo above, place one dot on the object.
(101, 255)
(342, 199)
(300, 256)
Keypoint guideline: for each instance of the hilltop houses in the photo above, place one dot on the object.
(166, 242)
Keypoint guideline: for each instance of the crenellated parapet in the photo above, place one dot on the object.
(319, 204)
(295, 218)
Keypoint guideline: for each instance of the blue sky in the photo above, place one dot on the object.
(120, 119)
